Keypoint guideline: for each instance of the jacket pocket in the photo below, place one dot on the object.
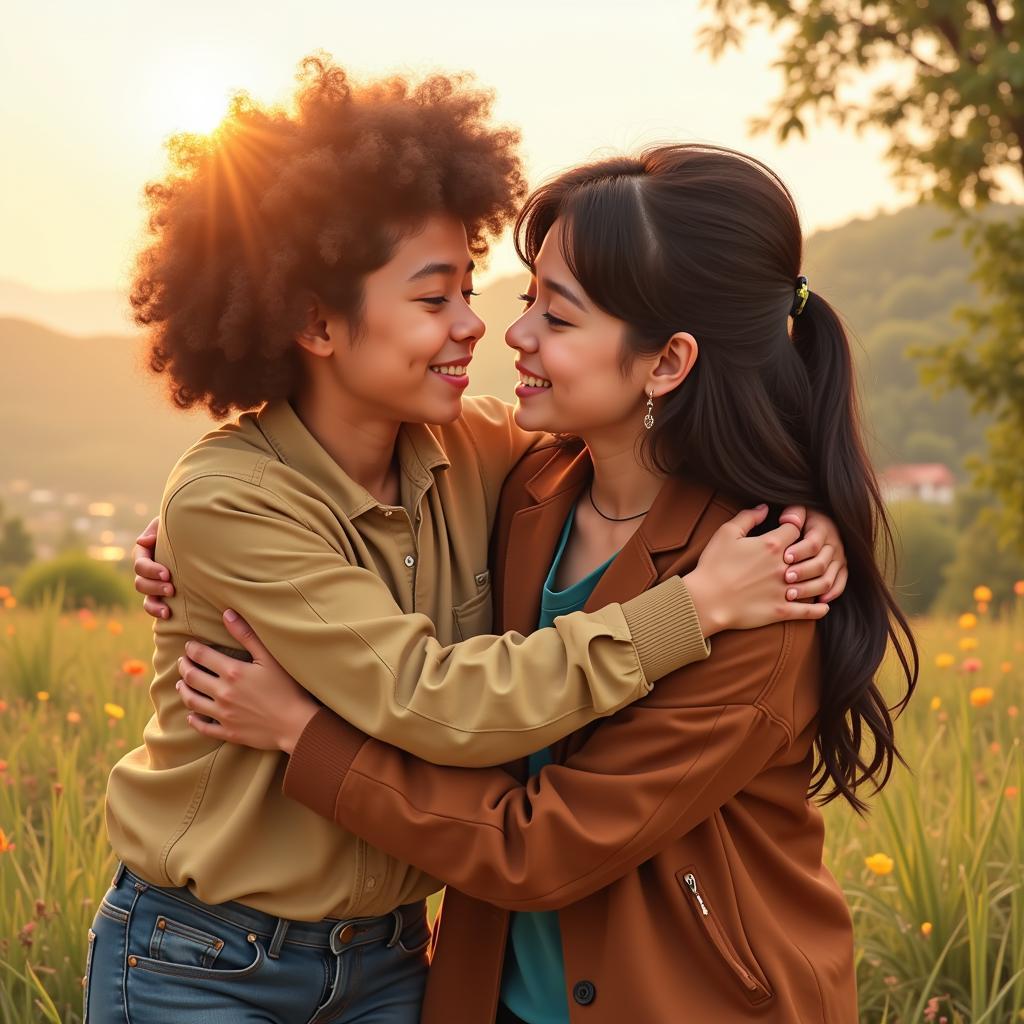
(750, 976)
(474, 617)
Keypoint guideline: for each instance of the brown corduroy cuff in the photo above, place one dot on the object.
(665, 628)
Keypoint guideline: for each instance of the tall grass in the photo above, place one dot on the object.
(939, 916)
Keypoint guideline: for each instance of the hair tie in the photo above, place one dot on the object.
(803, 293)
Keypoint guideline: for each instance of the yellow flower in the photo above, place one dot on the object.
(936, 703)
(880, 864)
(926, 928)
(981, 695)
(115, 628)
(5, 844)
(969, 643)
(133, 667)
(10, 602)
(74, 717)
(114, 710)
(968, 620)
(944, 660)
(42, 696)
(982, 594)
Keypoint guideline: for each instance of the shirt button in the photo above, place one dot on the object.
(410, 561)
(371, 882)
(584, 992)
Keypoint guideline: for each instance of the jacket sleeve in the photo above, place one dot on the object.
(337, 629)
(643, 778)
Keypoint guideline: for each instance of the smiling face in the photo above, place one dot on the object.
(569, 357)
(407, 360)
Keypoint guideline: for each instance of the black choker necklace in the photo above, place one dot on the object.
(612, 519)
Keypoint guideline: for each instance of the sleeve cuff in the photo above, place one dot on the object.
(665, 628)
(320, 761)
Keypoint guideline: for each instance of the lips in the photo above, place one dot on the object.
(450, 370)
(531, 380)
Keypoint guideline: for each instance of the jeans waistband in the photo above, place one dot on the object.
(335, 934)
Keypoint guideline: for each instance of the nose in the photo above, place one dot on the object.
(468, 328)
(520, 335)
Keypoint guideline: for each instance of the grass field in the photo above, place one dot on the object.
(935, 875)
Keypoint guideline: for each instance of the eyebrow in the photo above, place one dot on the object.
(440, 268)
(567, 293)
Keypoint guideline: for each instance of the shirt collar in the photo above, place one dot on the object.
(419, 453)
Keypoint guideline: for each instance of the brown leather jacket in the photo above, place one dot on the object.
(675, 838)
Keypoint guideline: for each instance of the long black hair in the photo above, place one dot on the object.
(706, 240)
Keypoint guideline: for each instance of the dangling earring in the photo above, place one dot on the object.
(649, 418)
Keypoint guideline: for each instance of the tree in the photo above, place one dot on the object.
(16, 548)
(945, 80)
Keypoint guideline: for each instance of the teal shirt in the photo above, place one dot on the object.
(533, 981)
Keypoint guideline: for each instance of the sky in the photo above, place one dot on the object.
(89, 93)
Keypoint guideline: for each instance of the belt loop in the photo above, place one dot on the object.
(399, 925)
(280, 931)
(118, 875)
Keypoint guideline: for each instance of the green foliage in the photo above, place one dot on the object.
(980, 557)
(926, 546)
(16, 548)
(85, 582)
(945, 81)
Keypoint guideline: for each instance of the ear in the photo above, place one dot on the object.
(314, 337)
(677, 359)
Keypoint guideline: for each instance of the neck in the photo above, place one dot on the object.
(622, 485)
(363, 446)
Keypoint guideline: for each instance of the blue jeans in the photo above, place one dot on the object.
(161, 956)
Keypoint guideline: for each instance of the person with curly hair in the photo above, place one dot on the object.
(318, 265)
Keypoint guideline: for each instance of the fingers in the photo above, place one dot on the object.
(147, 538)
(808, 546)
(154, 606)
(797, 611)
(219, 664)
(150, 579)
(840, 585)
(816, 587)
(196, 701)
(795, 515)
(245, 635)
(743, 522)
(782, 536)
(812, 567)
(199, 680)
(214, 730)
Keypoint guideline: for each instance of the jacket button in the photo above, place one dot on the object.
(584, 992)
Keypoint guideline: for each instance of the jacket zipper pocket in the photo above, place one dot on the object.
(756, 990)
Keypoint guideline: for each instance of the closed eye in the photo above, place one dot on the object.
(555, 321)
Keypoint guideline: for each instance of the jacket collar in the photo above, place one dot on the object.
(535, 529)
(419, 454)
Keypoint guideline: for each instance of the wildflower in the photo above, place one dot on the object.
(982, 594)
(114, 628)
(968, 620)
(5, 844)
(926, 928)
(944, 660)
(5, 592)
(1018, 588)
(133, 667)
(995, 747)
(3, 706)
(936, 703)
(10, 602)
(1011, 792)
(113, 710)
(58, 789)
(3, 767)
(971, 665)
(943, 716)
(25, 935)
(73, 717)
(1005, 666)
(879, 863)
(981, 695)
(968, 643)
(982, 607)
(42, 696)
(1012, 711)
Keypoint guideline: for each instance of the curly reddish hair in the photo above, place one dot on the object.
(276, 205)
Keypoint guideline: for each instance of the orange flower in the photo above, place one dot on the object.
(133, 667)
(982, 594)
(10, 602)
(1006, 666)
(5, 844)
(3, 767)
(5, 592)
(968, 643)
(936, 703)
(944, 660)
(926, 928)
(115, 628)
(1012, 711)
(880, 864)
(1018, 588)
(995, 746)
(968, 620)
(42, 696)
(981, 696)
(73, 717)
(1011, 792)
(114, 710)
(982, 607)
(3, 706)
(971, 665)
